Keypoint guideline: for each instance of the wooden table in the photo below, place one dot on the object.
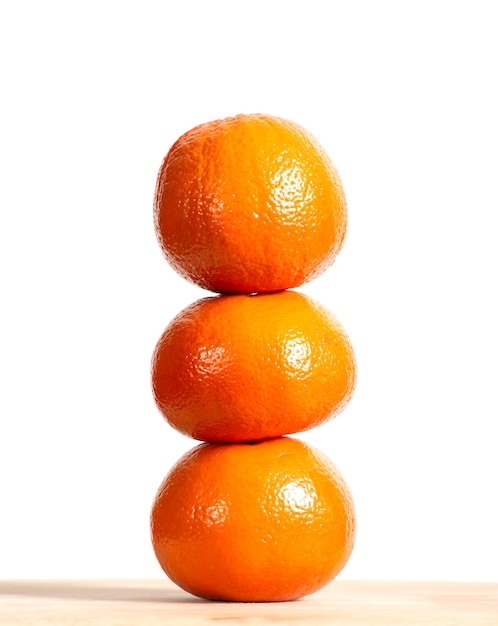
(154, 602)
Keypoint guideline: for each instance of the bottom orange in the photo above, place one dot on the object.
(270, 520)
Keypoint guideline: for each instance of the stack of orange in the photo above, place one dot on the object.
(249, 207)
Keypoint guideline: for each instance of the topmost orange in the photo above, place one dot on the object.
(249, 204)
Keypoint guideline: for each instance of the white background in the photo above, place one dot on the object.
(403, 95)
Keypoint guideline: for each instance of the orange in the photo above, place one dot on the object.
(265, 521)
(246, 367)
(248, 204)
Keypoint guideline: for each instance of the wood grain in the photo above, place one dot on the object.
(154, 602)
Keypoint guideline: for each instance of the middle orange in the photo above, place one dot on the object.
(247, 367)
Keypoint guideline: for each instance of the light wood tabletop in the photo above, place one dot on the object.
(154, 602)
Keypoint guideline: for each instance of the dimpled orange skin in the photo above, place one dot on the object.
(266, 521)
(249, 204)
(242, 367)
